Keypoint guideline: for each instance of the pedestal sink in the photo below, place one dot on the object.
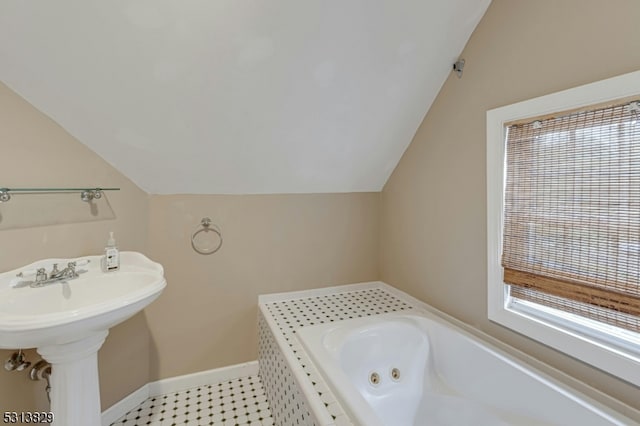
(68, 320)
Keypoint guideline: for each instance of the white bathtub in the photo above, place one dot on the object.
(443, 376)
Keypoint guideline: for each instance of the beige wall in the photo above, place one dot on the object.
(431, 225)
(36, 152)
(206, 318)
(433, 208)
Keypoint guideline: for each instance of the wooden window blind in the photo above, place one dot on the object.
(571, 237)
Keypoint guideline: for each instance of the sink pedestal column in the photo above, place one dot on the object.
(75, 389)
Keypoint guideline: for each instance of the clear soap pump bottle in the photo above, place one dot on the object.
(111, 258)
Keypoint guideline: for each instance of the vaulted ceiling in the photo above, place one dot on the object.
(237, 96)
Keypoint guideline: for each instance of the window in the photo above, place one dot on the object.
(564, 221)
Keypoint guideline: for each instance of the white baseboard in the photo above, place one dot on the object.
(201, 378)
(125, 405)
(176, 384)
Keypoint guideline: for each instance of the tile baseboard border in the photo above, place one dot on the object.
(176, 384)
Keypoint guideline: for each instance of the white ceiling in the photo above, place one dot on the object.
(237, 96)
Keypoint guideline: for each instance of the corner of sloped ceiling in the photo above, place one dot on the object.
(38, 152)
(237, 97)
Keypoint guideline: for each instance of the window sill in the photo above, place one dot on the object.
(616, 355)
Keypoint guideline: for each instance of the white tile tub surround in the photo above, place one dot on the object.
(281, 387)
(290, 379)
(285, 313)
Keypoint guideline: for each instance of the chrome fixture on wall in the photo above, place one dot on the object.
(86, 194)
(42, 371)
(458, 66)
(17, 362)
(205, 227)
(89, 195)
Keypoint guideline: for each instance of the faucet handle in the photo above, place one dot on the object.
(41, 275)
(54, 270)
(71, 270)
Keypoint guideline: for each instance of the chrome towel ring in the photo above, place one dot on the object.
(206, 226)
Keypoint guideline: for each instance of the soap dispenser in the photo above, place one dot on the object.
(111, 258)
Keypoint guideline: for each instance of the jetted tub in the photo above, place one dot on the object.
(404, 369)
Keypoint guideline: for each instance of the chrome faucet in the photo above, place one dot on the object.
(68, 272)
(42, 278)
(55, 273)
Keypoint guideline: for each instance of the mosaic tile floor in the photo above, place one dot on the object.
(238, 402)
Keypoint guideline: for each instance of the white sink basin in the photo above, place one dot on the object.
(68, 320)
(66, 311)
